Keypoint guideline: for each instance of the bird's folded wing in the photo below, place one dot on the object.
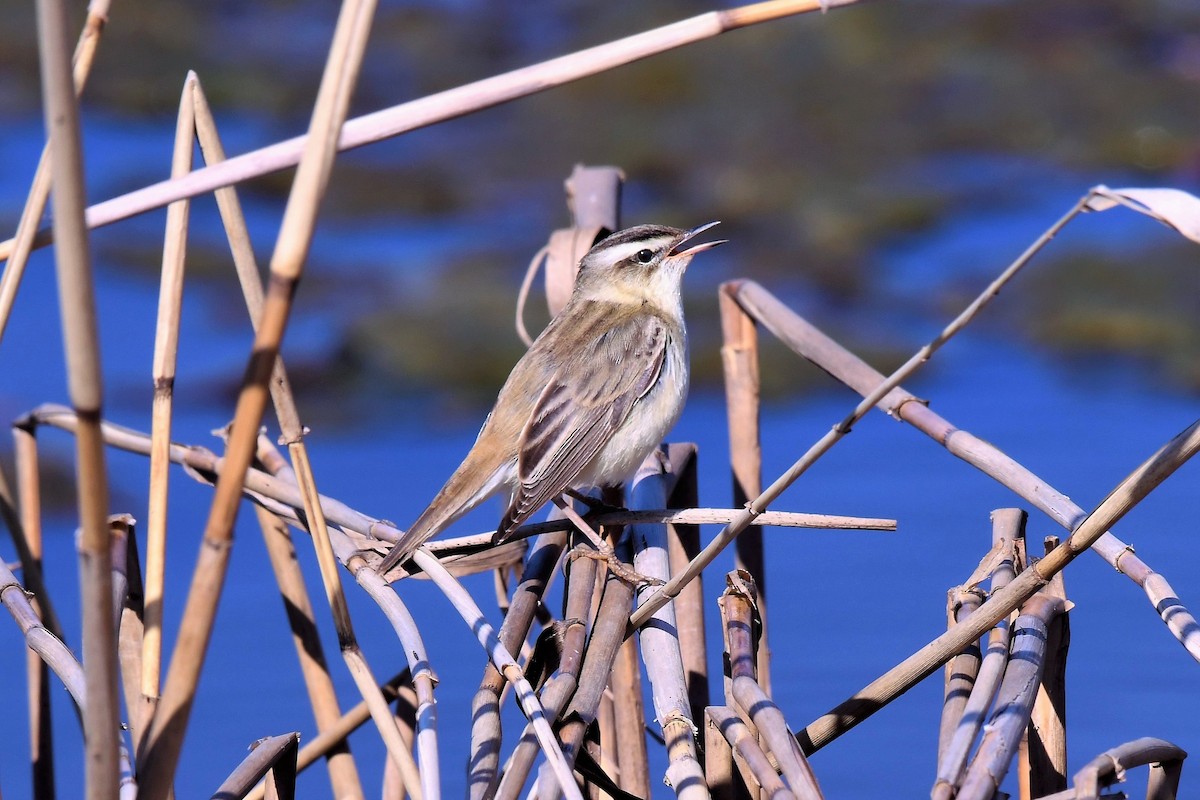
(584, 403)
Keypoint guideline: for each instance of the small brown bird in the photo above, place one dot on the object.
(591, 398)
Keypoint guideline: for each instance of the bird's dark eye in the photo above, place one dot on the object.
(645, 256)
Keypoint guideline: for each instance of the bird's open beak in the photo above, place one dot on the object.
(675, 251)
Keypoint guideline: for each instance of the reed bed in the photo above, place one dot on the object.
(575, 673)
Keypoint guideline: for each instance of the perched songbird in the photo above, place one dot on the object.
(591, 398)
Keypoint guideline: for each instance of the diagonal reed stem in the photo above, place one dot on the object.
(287, 265)
(447, 105)
(826, 442)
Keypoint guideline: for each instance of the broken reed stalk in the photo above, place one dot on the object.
(659, 640)
(747, 751)
(77, 307)
(273, 754)
(755, 507)
(748, 698)
(287, 264)
(447, 105)
(740, 363)
(557, 687)
(1164, 759)
(813, 345)
(1014, 699)
(39, 191)
(130, 631)
(920, 664)
(483, 770)
(320, 745)
(1008, 525)
(1044, 759)
(166, 356)
(466, 607)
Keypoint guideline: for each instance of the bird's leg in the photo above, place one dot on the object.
(604, 551)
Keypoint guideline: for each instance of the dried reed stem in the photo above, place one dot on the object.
(349, 722)
(483, 770)
(962, 671)
(1008, 524)
(447, 105)
(166, 354)
(504, 661)
(826, 442)
(343, 775)
(659, 641)
(25, 525)
(273, 754)
(749, 698)
(683, 544)
(739, 359)
(1164, 758)
(295, 235)
(1045, 756)
(342, 772)
(84, 379)
(899, 679)
(39, 190)
(48, 646)
(746, 749)
(557, 691)
(1014, 701)
(827, 354)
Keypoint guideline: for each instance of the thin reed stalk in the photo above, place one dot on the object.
(483, 770)
(504, 661)
(739, 359)
(566, 639)
(166, 355)
(755, 507)
(130, 631)
(39, 191)
(295, 235)
(1164, 759)
(1014, 701)
(963, 670)
(812, 344)
(749, 698)
(746, 749)
(77, 307)
(25, 525)
(49, 647)
(658, 640)
(629, 723)
(1008, 525)
(426, 781)
(343, 774)
(920, 664)
(446, 105)
(683, 543)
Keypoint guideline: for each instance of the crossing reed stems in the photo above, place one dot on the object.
(295, 235)
(22, 242)
(447, 105)
(812, 344)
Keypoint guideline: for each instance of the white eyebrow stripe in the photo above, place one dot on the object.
(624, 250)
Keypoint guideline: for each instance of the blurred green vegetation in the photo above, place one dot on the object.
(815, 139)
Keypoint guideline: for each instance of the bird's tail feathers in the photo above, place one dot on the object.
(449, 504)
